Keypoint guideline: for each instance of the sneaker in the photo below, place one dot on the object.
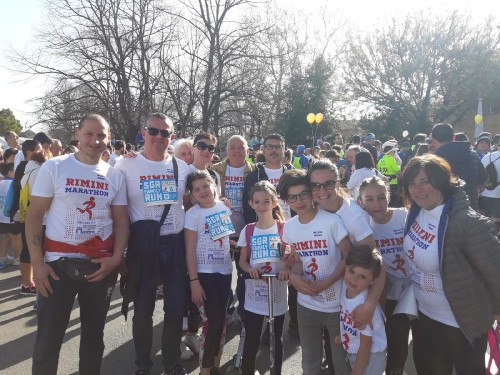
(28, 290)
(15, 262)
(193, 342)
(142, 371)
(184, 324)
(7, 261)
(177, 370)
(186, 353)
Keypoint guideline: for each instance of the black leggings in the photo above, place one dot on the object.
(438, 348)
(253, 328)
(213, 314)
(397, 329)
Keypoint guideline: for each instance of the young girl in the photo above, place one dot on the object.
(267, 229)
(209, 264)
(387, 225)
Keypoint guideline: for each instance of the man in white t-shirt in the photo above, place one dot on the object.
(118, 154)
(232, 172)
(85, 204)
(156, 183)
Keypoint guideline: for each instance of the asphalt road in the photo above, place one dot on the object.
(18, 328)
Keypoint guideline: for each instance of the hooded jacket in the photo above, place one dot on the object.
(469, 263)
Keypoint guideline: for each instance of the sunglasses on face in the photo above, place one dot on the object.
(202, 146)
(303, 195)
(327, 185)
(154, 132)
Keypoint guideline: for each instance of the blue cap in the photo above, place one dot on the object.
(300, 149)
(369, 136)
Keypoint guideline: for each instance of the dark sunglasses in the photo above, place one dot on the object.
(327, 185)
(154, 132)
(202, 146)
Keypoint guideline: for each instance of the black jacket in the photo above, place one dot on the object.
(258, 174)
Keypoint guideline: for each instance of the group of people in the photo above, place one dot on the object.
(351, 237)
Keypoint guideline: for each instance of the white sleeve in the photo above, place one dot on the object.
(191, 221)
(120, 198)
(242, 240)
(44, 183)
(339, 230)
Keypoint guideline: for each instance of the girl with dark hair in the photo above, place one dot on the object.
(453, 255)
(209, 264)
(365, 167)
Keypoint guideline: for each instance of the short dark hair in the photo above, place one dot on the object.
(43, 138)
(161, 116)
(91, 116)
(356, 139)
(461, 137)
(442, 132)
(333, 153)
(29, 145)
(204, 135)
(437, 170)
(275, 136)
(9, 152)
(119, 145)
(292, 177)
(364, 159)
(323, 164)
(366, 257)
(419, 138)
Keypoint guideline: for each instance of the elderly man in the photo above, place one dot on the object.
(56, 147)
(84, 201)
(233, 171)
(156, 183)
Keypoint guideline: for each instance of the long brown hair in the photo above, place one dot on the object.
(268, 188)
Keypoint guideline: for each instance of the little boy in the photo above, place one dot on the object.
(321, 241)
(366, 348)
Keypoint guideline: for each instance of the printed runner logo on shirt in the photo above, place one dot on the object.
(220, 225)
(159, 192)
(265, 248)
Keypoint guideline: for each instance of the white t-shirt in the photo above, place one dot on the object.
(211, 256)
(349, 335)
(139, 171)
(421, 249)
(4, 188)
(234, 184)
(192, 169)
(114, 158)
(256, 293)
(357, 178)
(495, 158)
(274, 176)
(389, 241)
(317, 244)
(18, 159)
(355, 220)
(81, 198)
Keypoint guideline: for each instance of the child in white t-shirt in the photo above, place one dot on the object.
(365, 347)
(260, 253)
(208, 226)
(321, 242)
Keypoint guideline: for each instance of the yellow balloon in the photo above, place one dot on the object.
(310, 118)
(319, 117)
(478, 119)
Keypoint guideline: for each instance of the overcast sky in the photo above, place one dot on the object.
(20, 17)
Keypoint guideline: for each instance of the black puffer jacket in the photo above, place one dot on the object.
(469, 257)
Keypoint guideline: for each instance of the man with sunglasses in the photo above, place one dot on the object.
(155, 188)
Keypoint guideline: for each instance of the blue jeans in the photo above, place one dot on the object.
(174, 275)
(53, 317)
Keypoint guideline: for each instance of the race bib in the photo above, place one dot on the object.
(235, 196)
(220, 225)
(159, 192)
(265, 248)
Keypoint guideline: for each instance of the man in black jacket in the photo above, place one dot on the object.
(463, 162)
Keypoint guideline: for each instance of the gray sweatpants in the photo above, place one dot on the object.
(311, 323)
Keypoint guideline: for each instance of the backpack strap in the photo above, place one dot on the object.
(248, 233)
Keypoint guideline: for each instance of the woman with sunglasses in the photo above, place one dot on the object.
(327, 194)
(203, 149)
